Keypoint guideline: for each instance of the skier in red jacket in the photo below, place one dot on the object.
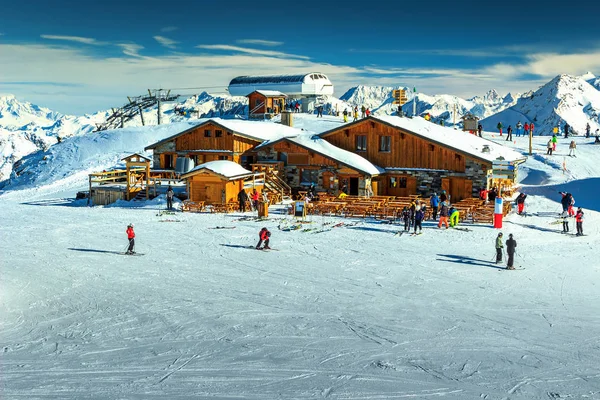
(131, 237)
(264, 236)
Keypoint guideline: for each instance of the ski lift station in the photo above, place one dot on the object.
(308, 87)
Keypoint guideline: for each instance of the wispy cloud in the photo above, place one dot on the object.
(131, 49)
(246, 50)
(169, 29)
(259, 42)
(92, 83)
(170, 43)
(76, 39)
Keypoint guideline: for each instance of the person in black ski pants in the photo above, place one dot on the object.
(419, 215)
(565, 221)
(406, 218)
(511, 245)
(264, 236)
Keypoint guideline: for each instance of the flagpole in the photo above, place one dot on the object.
(414, 102)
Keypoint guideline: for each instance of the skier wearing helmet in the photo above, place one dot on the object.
(131, 237)
(263, 236)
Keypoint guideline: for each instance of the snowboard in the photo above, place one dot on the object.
(416, 234)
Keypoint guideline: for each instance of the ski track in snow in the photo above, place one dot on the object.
(350, 313)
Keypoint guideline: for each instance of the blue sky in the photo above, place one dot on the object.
(76, 56)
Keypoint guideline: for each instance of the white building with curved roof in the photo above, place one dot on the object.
(307, 85)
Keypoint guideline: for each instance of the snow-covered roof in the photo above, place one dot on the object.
(462, 142)
(314, 143)
(227, 169)
(255, 130)
(270, 93)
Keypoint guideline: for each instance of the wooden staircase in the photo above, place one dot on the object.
(276, 188)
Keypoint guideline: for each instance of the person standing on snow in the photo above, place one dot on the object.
(511, 246)
(367, 112)
(550, 147)
(345, 115)
(480, 130)
(526, 127)
(571, 209)
(419, 215)
(406, 218)
(579, 221)
(242, 198)
(587, 130)
(443, 215)
(521, 203)
(355, 115)
(566, 130)
(554, 142)
(499, 248)
(434, 201)
(131, 238)
(499, 127)
(509, 133)
(531, 126)
(263, 236)
(519, 129)
(572, 147)
(170, 194)
(565, 221)
(362, 111)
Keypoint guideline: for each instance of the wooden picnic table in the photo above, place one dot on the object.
(192, 206)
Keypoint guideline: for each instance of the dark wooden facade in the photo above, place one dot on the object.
(411, 160)
(258, 103)
(204, 143)
(404, 150)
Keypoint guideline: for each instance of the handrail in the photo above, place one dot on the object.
(257, 107)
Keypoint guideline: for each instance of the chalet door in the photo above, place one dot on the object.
(446, 185)
(328, 181)
(353, 187)
(375, 187)
(460, 188)
(198, 191)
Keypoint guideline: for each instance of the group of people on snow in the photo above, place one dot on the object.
(251, 200)
(511, 247)
(521, 130)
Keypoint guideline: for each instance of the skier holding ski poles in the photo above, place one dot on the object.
(131, 238)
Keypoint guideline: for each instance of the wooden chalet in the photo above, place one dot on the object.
(214, 140)
(419, 157)
(307, 159)
(265, 104)
(218, 183)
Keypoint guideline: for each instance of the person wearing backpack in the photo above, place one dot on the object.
(434, 201)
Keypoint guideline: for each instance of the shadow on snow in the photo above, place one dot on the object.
(453, 258)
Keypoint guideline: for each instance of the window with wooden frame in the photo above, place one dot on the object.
(207, 133)
(431, 147)
(361, 143)
(218, 133)
(168, 161)
(393, 182)
(223, 158)
(402, 183)
(385, 143)
(258, 102)
(308, 176)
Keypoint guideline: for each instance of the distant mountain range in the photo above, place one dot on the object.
(26, 128)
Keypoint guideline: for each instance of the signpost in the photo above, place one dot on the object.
(400, 96)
